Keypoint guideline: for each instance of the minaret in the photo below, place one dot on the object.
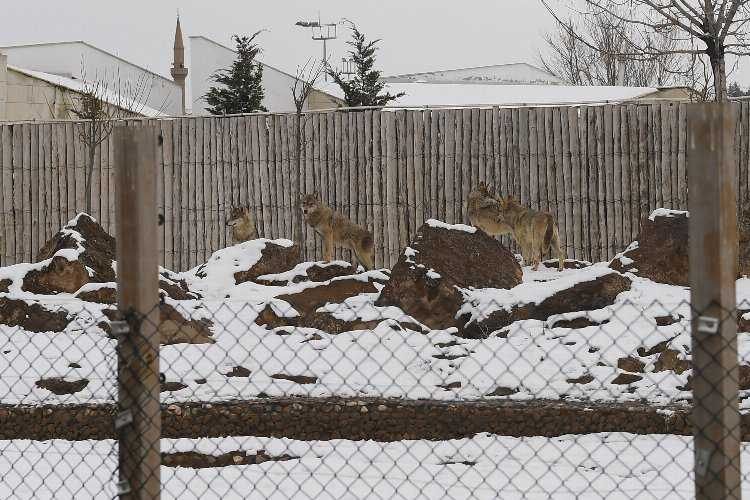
(179, 71)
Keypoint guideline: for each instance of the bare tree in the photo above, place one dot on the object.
(304, 84)
(578, 63)
(100, 103)
(711, 29)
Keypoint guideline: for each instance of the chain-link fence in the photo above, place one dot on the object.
(325, 381)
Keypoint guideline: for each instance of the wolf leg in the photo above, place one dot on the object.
(328, 247)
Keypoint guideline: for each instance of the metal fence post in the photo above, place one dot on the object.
(713, 254)
(138, 422)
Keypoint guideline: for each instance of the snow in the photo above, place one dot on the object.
(515, 73)
(477, 94)
(452, 227)
(666, 212)
(602, 465)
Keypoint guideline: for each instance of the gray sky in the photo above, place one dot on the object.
(418, 35)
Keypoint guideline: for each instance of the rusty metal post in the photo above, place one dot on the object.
(713, 256)
(138, 423)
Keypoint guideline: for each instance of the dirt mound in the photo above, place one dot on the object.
(442, 259)
(195, 460)
(5, 285)
(661, 252)
(31, 317)
(59, 276)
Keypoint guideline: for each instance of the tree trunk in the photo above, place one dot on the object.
(297, 177)
(719, 69)
(89, 176)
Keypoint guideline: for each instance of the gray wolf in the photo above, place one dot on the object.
(337, 229)
(242, 222)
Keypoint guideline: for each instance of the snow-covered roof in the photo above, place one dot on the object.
(471, 94)
(76, 85)
(508, 74)
(489, 94)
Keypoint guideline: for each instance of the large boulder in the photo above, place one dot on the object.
(443, 259)
(661, 252)
(80, 253)
(242, 263)
(94, 247)
(301, 308)
(595, 290)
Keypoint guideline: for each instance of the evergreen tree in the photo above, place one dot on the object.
(364, 88)
(240, 88)
(735, 90)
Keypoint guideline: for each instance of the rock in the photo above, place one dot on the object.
(101, 295)
(175, 288)
(73, 365)
(577, 323)
(196, 460)
(60, 386)
(452, 385)
(502, 391)
(583, 296)
(238, 371)
(172, 386)
(666, 320)
(5, 286)
(307, 302)
(274, 259)
(309, 271)
(60, 275)
(583, 379)
(31, 317)
(631, 364)
(744, 381)
(567, 264)
(669, 359)
(625, 379)
(661, 252)
(425, 281)
(108, 294)
(85, 235)
(298, 379)
(173, 327)
(655, 349)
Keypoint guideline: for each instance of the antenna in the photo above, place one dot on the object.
(321, 32)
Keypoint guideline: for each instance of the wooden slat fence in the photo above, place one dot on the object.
(598, 169)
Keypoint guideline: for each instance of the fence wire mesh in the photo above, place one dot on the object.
(323, 382)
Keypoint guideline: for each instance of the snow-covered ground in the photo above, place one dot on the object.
(607, 465)
(530, 357)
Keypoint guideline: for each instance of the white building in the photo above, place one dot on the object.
(68, 64)
(506, 74)
(208, 56)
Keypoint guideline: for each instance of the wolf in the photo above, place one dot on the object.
(485, 211)
(242, 222)
(336, 229)
(535, 232)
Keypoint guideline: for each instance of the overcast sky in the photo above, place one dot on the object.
(417, 35)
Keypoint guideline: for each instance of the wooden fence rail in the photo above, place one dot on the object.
(598, 169)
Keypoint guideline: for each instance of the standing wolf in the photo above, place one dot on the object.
(337, 229)
(535, 232)
(242, 223)
(485, 212)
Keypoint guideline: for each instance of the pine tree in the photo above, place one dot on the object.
(364, 89)
(240, 88)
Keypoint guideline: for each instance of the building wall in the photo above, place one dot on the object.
(3, 85)
(28, 98)
(207, 56)
(78, 59)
